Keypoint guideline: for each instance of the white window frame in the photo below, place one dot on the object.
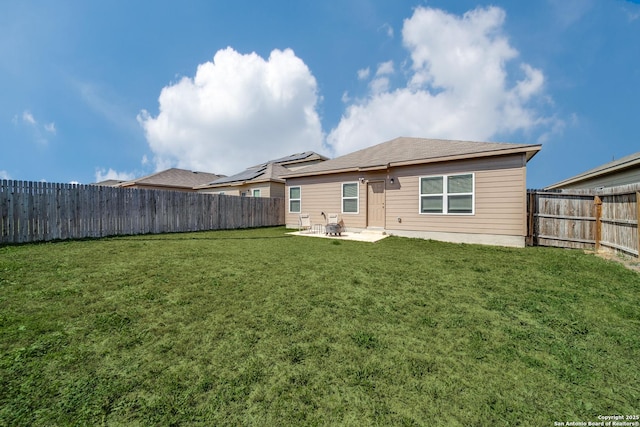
(445, 194)
(253, 192)
(299, 199)
(357, 198)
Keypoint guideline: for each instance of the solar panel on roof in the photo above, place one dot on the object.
(242, 176)
(292, 157)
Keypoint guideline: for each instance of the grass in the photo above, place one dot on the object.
(256, 327)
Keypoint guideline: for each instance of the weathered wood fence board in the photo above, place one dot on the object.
(586, 219)
(37, 212)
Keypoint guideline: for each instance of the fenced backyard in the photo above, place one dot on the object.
(603, 219)
(41, 211)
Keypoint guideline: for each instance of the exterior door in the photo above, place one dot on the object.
(375, 204)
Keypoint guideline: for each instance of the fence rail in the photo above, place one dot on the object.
(40, 211)
(585, 219)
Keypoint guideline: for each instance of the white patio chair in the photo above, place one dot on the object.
(304, 222)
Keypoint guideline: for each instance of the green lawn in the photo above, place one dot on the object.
(256, 327)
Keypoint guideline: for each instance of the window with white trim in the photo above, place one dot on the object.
(350, 197)
(447, 194)
(256, 193)
(295, 201)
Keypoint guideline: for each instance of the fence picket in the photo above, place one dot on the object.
(36, 211)
(586, 219)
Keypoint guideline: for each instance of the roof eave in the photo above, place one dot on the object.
(530, 151)
(594, 174)
(131, 184)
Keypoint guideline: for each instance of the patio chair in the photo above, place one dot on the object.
(334, 225)
(304, 222)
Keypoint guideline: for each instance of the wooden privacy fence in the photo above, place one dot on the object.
(40, 211)
(606, 218)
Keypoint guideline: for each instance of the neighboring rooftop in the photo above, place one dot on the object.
(406, 151)
(271, 170)
(601, 172)
(109, 183)
(176, 178)
(261, 173)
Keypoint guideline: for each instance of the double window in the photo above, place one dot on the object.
(350, 197)
(294, 200)
(447, 194)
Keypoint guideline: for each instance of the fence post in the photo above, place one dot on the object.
(638, 219)
(598, 232)
(533, 223)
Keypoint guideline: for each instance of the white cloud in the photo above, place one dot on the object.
(381, 83)
(27, 117)
(236, 111)
(388, 29)
(50, 127)
(104, 174)
(4, 175)
(363, 74)
(35, 128)
(458, 86)
(385, 68)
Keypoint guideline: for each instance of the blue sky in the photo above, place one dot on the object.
(94, 90)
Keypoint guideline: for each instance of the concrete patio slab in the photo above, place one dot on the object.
(363, 236)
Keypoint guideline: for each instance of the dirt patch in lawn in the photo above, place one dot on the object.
(631, 262)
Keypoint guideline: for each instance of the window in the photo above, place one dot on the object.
(294, 200)
(447, 194)
(256, 193)
(350, 197)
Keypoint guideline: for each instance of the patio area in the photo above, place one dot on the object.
(362, 236)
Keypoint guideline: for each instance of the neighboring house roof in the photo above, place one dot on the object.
(272, 170)
(109, 183)
(266, 172)
(405, 151)
(294, 159)
(173, 178)
(600, 171)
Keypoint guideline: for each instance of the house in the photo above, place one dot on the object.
(263, 180)
(171, 179)
(618, 172)
(457, 191)
(109, 183)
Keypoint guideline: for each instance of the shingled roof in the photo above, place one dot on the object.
(177, 178)
(265, 172)
(405, 151)
(632, 160)
(272, 170)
